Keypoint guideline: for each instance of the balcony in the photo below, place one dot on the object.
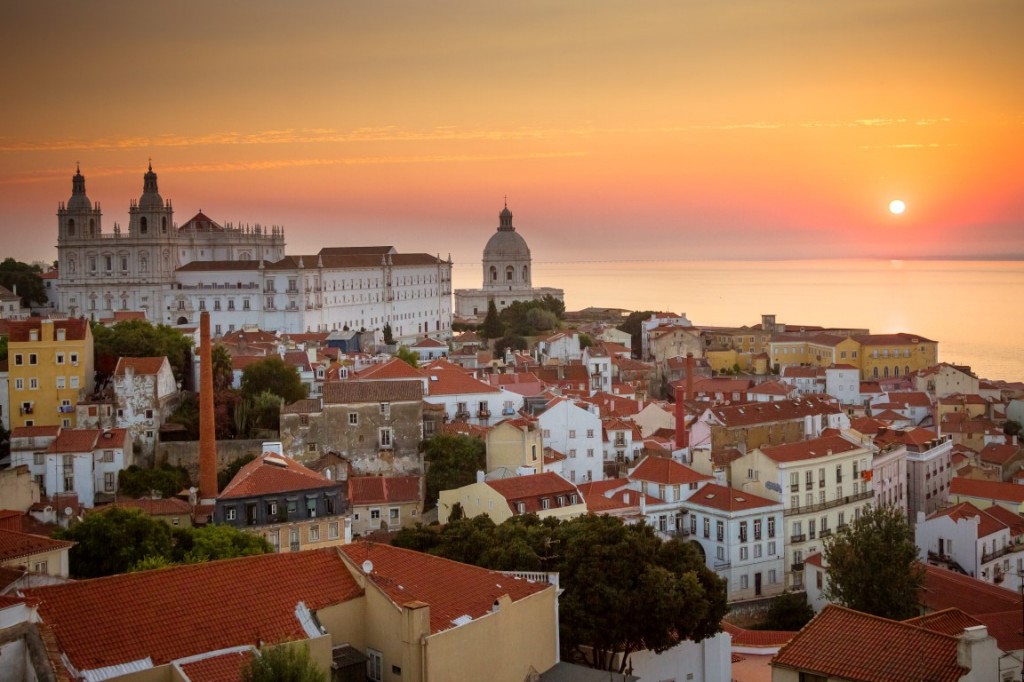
(719, 565)
(483, 413)
(798, 538)
(808, 508)
(1002, 551)
(294, 546)
(797, 567)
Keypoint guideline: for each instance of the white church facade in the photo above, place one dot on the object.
(507, 274)
(240, 274)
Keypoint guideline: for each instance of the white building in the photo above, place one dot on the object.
(986, 544)
(929, 470)
(574, 431)
(507, 274)
(80, 461)
(740, 536)
(825, 483)
(563, 347)
(240, 274)
(842, 382)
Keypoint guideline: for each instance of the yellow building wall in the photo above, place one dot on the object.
(47, 397)
(722, 360)
(510, 447)
(18, 490)
(914, 356)
(476, 499)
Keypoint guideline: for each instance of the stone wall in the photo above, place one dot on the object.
(186, 453)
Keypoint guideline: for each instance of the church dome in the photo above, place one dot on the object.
(78, 200)
(506, 244)
(150, 198)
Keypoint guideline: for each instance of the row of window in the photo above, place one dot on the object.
(756, 524)
(33, 358)
(313, 534)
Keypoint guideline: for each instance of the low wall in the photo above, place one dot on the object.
(186, 453)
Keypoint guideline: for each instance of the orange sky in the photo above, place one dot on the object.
(677, 129)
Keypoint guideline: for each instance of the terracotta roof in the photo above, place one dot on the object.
(157, 507)
(297, 359)
(851, 645)
(899, 339)
(759, 638)
(451, 589)
(664, 470)
(771, 388)
(912, 398)
(951, 621)
(392, 369)
(530, 489)
(429, 342)
(910, 436)
(997, 453)
(223, 668)
(17, 545)
(809, 449)
(260, 477)
(75, 440)
(363, 490)
(1010, 519)
(149, 365)
(987, 524)
(782, 410)
(944, 589)
(445, 378)
(716, 385)
(74, 329)
(11, 519)
(369, 391)
(729, 499)
(171, 613)
(988, 490)
(304, 406)
(799, 372)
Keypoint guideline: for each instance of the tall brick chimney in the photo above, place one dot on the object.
(207, 427)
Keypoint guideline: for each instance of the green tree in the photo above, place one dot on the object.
(283, 663)
(225, 475)
(389, 335)
(167, 480)
(5, 442)
(25, 278)
(554, 305)
(151, 563)
(140, 339)
(218, 541)
(633, 324)
(187, 415)
(541, 320)
(419, 538)
(407, 356)
(492, 328)
(1011, 427)
(275, 375)
(873, 565)
(265, 410)
(114, 541)
(223, 371)
(510, 341)
(452, 462)
(3, 347)
(586, 341)
(788, 611)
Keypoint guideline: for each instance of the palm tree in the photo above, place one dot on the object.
(223, 372)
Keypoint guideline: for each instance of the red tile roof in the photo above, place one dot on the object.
(17, 545)
(729, 499)
(769, 639)
(149, 365)
(75, 440)
(809, 449)
(951, 621)
(663, 470)
(448, 379)
(262, 477)
(428, 342)
(944, 589)
(851, 645)
(733, 416)
(172, 613)
(997, 453)
(363, 490)
(372, 391)
(451, 589)
(987, 524)
(164, 506)
(35, 431)
(75, 329)
(392, 369)
(990, 490)
(531, 488)
(912, 398)
(899, 339)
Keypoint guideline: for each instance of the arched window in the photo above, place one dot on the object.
(874, 372)
(896, 370)
(71, 227)
(885, 371)
(143, 225)
(509, 273)
(494, 274)
(906, 371)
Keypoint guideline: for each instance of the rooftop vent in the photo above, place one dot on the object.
(275, 461)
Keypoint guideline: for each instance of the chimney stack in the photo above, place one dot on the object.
(681, 437)
(207, 427)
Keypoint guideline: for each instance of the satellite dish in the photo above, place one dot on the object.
(68, 511)
(367, 567)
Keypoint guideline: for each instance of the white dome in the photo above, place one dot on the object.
(506, 245)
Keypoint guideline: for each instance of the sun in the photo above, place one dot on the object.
(896, 206)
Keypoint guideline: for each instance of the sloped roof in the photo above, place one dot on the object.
(451, 589)
(370, 391)
(260, 477)
(899, 339)
(951, 621)
(944, 589)
(171, 613)
(35, 431)
(392, 369)
(987, 524)
(722, 498)
(156, 507)
(224, 668)
(530, 489)
(445, 378)
(998, 453)
(75, 440)
(666, 471)
(364, 490)
(851, 645)
(150, 365)
(16, 545)
(991, 490)
(733, 416)
(756, 638)
(809, 449)
(75, 329)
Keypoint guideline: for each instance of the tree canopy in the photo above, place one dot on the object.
(275, 375)
(118, 540)
(140, 339)
(283, 663)
(625, 588)
(873, 565)
(25, 278)
(223, 371)
(167, 480)
(407, 356)
(492, 328)
(529, 318)
(452, 462)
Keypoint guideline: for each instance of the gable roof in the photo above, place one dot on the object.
(733, 416)
(666, 471)
(851, 645)
(156, 507)
(987, 524)
(17, 545)
(75, 329)
(719, 497)
(531, 488)
(278, 475)
(392, 369)
(991, 490)
(150, 365)
(451, 589)
(171, 613)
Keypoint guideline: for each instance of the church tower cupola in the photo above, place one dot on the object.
(505, 219)
(150, 198)
(151, 217)
(78, 201)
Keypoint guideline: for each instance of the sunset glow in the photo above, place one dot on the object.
(683, 129)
